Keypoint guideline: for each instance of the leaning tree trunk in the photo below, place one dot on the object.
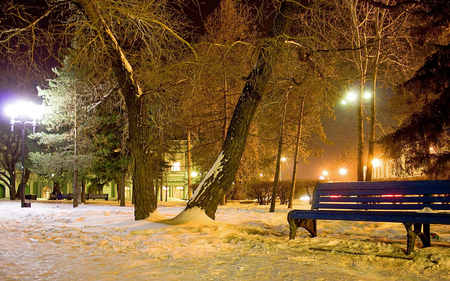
(217, 182)
(142, 160)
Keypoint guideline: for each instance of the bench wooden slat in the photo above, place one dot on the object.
(393, 199)
(431, 185)
(367, 192)
(378, 216)
(399, 201)
(383, 206)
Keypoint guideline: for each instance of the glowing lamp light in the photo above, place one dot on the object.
(351, 96)
(20, 113)
(22, 108)
(194, 174)
(376, 162)
(343, 171)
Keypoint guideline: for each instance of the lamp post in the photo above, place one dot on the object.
(23, 113)
(358, 98)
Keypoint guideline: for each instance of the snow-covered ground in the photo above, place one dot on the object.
(54, 241)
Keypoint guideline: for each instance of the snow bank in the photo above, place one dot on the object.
(246, 242)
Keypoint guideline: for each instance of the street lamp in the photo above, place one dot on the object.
(23, 113)
(376, 162)
(343, 172)
(358, 99)
(326, 175)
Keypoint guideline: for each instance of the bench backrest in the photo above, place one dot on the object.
(388, 195)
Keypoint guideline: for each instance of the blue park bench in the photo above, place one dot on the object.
(88, 196)
(94, 196)
(407, 202)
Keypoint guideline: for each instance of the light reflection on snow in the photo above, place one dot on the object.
(246, 242)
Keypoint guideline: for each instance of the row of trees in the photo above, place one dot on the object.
(132, 76)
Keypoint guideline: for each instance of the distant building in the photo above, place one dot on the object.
(174, 180)
(175, 183)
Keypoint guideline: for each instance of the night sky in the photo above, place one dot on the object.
(343, 134)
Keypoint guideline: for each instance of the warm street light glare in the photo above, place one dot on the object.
(325, 173)
(343, 171)
(376, 162)
(194, 174)
(283, 159)
(351, 96)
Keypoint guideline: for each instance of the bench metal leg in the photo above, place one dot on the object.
(412, 234)
(411, 237)
(427, 235)
(309, 224)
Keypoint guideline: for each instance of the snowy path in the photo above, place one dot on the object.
(98, 242)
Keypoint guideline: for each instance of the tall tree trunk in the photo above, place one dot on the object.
(225, 122)
(217, 182)
(122, 187)
(141, 159)
(276, 180)
(12, 182)
(360, 132)
(13, 152)
(297, 145)
(76, 190)
(189, 165)
(358, 43)
(369, 172)
(83, 190)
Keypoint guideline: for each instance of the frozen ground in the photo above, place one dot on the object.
(246, 242)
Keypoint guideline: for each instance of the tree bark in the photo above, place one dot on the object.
(358, 43)
(122, 187)
(76, 189)
(189, 165)
(142, 161)
(276, 180)
(217, 182)
(83, 191)
(369, 172)
(11, 155)
(225, 122)
(297, 145)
